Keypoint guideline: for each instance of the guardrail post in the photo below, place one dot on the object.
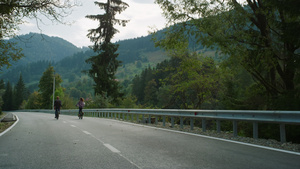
(181, 122)
(172, 122)
(123, 116)
(235, 133)
(218, 126)
(149, 119)
(255, 130)
(204, 125)
(131, 117)
(156, 120)
(192, 123)
(137, 118)
(164, 120)
(282, 133)
(143, 118)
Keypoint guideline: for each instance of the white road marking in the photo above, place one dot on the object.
(114, 150)
(86, 132)
(8, 129)
(64, 122)
(214, 138)
(72, 126)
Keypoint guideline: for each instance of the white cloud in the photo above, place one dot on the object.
(142, 14)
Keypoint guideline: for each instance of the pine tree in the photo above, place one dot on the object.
(2, 89)
(8, 97)
(105, 64)
(20, 92)
(2, 84)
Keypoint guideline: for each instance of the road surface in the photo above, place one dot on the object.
(38, 140)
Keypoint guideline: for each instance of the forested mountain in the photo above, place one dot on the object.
(40, 47)
(133, 50)
(69, 61)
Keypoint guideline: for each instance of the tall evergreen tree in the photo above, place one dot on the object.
(105, 64)
(8, 97)
(2, 89)
(20, 92)
(2, 84)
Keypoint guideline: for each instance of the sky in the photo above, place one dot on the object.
(144, 16)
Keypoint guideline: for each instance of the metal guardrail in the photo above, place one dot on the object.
(279, 117)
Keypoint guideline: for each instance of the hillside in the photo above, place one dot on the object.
(40, 47)
(69, 61)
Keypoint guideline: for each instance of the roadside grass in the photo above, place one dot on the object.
(4, 125)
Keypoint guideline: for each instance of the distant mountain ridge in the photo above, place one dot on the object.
(69, 61)
(40, 47)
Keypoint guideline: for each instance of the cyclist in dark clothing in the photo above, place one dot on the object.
(57, 106)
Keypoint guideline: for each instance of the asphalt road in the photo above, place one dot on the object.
(40, 141)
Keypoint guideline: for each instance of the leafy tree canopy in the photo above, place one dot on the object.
(12, 13)
(46, 87)
(260, 35)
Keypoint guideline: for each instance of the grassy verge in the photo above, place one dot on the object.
(4, 125)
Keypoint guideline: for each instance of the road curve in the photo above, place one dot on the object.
(40, 141)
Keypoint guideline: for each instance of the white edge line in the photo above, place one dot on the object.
(86, 132)
(8, 129)
(113, 149)
(216, 138)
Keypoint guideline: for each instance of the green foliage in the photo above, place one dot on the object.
(8, 53)
(2, 90)
(46, 87)
(259, 37)
(12, 98)
(67, 102)
(21, 93)
(186, 81)
(40, 47)
(99, 101)
(197, 81)
(128, 102)
(34, 101)
(8, 98)
(106, 30)
(12, 14)
(104, 65)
